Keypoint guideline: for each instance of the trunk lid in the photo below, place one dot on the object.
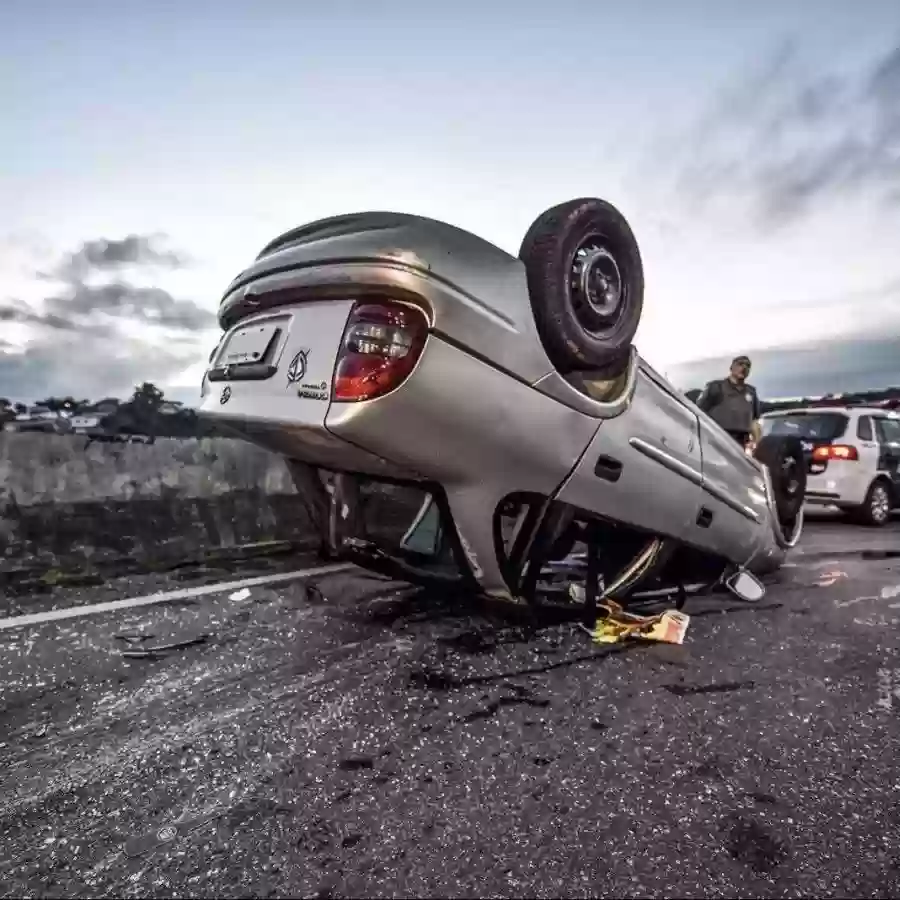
(277, 366)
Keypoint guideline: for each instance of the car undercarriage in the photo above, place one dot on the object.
(554, 556)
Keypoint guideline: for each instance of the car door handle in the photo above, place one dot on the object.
(608, 469)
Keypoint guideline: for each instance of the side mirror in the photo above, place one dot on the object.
(745, 586)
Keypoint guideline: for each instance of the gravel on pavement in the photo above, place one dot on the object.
(349, 737)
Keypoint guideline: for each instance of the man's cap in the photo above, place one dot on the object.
(741, 359)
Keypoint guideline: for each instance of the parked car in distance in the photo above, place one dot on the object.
(41, 419)
(853, 456)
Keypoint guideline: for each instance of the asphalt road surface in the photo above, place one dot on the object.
(354, 741)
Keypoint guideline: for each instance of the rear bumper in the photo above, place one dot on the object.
(841, 484)
(314, 445)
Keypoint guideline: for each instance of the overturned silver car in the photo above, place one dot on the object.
(382, 347)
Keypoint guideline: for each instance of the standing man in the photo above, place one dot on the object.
(733, 404)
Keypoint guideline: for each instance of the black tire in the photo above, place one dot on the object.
(875, 510)
(784, 458)
(586, 284)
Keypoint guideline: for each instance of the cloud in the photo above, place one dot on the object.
(88, 365)
(103, 255)
(100, 338)
(16, 312)
(788, 140)
(87, 305)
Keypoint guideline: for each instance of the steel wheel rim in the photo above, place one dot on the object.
(596, 286)
(789, 469)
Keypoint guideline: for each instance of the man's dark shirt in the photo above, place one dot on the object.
(734, 407)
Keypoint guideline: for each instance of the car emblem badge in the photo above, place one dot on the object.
(226, 395)
(297, 369)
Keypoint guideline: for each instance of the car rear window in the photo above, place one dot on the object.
(812, 426)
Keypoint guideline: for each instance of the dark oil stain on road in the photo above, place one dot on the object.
(725, 687)
(756, 846)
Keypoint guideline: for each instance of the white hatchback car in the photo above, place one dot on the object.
(853, 454)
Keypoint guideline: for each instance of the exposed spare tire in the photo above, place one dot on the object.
(586, 283)
(784, 458)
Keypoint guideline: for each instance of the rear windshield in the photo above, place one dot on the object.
(812, 426)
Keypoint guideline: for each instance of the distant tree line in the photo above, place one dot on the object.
(146, 413)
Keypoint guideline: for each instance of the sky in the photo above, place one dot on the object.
(149, 150)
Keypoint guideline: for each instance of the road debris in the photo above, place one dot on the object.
(167, 834)
(134, 637)
(238, 596)
(827, 579)
(159, 649)
(668, 626)
(888, 688)
(670, 629)
(723, 687)
(886, 593)
(353, 762)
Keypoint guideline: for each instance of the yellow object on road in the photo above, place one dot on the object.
(668, 627)
(608, 632)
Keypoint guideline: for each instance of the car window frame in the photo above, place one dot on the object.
(870, 421)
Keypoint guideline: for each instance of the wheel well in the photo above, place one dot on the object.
(620, 544)
(881, 478)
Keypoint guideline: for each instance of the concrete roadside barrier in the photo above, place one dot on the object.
(69, 503)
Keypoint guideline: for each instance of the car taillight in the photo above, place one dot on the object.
(835, 451)
(381, 346)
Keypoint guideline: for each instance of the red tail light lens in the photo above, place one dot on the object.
(382, 344)
(835, 451)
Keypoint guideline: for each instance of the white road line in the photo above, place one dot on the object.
(220, 587)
